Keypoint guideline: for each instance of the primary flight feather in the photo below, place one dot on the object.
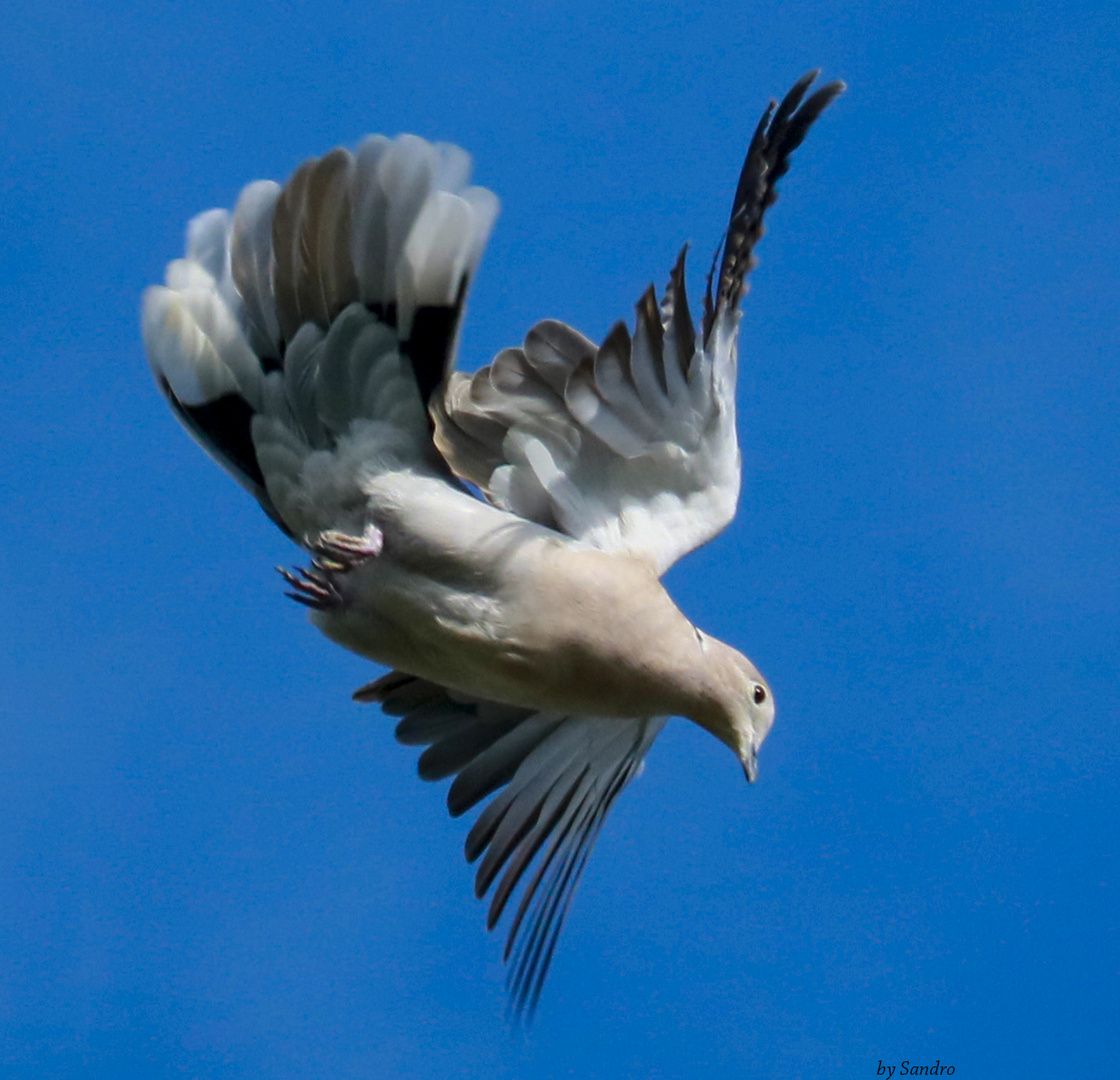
(308, 342)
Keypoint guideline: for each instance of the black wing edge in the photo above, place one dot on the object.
(780, 131)
(559, 777)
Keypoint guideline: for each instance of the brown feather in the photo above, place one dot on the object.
(313, 274)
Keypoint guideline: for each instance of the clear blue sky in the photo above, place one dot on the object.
(213, 865)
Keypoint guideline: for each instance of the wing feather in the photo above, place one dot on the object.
(559, 775)
(532, 953)
(630, 446)
(614, 445)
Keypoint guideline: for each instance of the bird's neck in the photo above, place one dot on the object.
(721, 691)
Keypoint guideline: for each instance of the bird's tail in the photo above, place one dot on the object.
(780, 131)
(333, 299)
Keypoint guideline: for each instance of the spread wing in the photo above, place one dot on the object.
(629, 445)
(558, 775)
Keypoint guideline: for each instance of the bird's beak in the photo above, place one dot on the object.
(750, 764)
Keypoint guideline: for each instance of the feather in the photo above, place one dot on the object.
(780, 131)
(431, 343)
(286, 262)
(560, 775)
(680, 334)
(313, 277)
(551, 810)
(215, 322)
(647, 358)
(435, 257)
(406, 172)
(328, 284)
(532, 952)
(250, 249)
(452, 169)
(521, 815)
(184, 274)
(462, 746)
(554, 350)
(180, 352)
(356, 336)
(301, 369)
(206, 241)
(368, 236)
(496, 765)
(432, 722)
(484, 206)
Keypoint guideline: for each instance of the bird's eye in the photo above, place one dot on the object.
(759, 694)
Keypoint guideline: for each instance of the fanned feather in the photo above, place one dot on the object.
(251, 268)
(631, 446)
(317, 307)
(560, 775)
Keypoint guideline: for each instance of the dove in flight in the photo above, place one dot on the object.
(496, 539)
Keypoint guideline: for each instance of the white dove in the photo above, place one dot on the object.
(307, 341)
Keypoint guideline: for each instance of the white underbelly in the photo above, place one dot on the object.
(543, 624)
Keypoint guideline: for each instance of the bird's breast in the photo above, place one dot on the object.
(521, 615)
(601, 635)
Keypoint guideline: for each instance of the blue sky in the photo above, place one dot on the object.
(212, 864)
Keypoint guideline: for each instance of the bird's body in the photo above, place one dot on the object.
(488, 604)
(308, 342)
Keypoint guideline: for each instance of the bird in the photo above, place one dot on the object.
(497, 539)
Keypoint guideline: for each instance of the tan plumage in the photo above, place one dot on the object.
(308, 343)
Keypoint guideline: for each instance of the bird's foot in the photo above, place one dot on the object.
(312, 587)
(333, 553)
(339, 552)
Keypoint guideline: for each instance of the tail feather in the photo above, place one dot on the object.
(195, 372)
(332, 300)
(207, 235)
(250, 256)
(313, 271)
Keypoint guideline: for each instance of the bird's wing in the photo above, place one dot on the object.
(300, 338)
(558, 775)
(629, 445)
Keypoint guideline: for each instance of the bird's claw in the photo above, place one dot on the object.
(333, 553)
(311, 587)
(339, 552)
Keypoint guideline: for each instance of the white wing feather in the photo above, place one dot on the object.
(630, 446)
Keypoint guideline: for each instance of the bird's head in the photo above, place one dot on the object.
(754, 722)
(741, 705)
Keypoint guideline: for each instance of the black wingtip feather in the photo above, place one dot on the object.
(533, 954)
(649, 321)
(536, 834)
(781, 130)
